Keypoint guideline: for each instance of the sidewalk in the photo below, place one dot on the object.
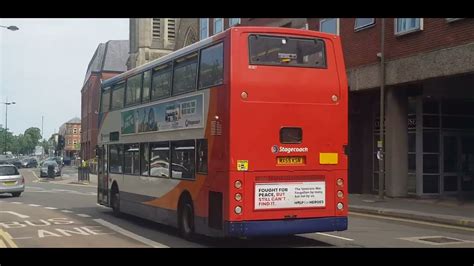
(445, 211)
(67, 178)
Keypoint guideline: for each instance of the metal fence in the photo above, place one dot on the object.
(83, 174)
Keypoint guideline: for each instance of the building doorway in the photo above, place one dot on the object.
(458, 164)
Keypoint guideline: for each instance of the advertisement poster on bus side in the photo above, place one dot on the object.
(290, 195)
(182, 113)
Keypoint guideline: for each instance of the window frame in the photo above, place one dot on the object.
(112, 108)
(237, 23)
(198, 144)
(401, 33)
(321, 21)
(127, 89)
(147, 145)
(185, 63)
(124, 161)
(170, 69)
(289, 37)
(363, 27)
(143, 87)
(200, 28)
(121, 158)
(150, 144)
(199, 65)
(214, 25)
(172, 149)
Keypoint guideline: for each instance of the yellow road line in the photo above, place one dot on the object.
(2, 244)
(412, 221)
(34, 174)
(8, 238)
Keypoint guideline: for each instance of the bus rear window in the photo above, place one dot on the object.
(286, 51)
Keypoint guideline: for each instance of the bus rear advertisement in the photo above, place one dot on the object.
(241, 134)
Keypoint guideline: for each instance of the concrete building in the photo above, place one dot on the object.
(211, 26)
(108, 60)
(71, 131)
(152, 38)
(429, 121)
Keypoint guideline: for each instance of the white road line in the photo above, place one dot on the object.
(16, 202)
(339, 237)
(83, 215)
(16, 214)
(50, 208)
(34, 174)
(67, 211)
(23, 237)
(412, 221)
(34, 205)
(136, 237)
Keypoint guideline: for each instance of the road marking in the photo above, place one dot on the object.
(17, 214)
(413, 221)
(34, 174)
(2, 244)
(16, 202)
(8, 238)
(23, 237)
(67, 211)
(102, 206)
(339, 237)
(50, 208)
(83, 215)
(130, 234)
(34, 205)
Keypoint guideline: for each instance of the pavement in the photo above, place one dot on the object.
(443, 211)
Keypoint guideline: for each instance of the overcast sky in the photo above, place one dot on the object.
(43, 65)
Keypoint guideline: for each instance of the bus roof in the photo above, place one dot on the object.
(205, 42)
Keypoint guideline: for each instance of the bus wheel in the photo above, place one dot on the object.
(186, 220)
(116, 202)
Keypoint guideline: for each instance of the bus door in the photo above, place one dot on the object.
(103, 179)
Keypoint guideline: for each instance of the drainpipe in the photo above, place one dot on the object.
(381, 144)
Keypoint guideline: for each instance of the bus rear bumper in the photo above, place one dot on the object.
(285, 227)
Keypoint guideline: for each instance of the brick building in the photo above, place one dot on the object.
(71, 131)
(108, 60)
(429, 80)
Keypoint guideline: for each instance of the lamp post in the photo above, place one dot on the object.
(6, 124)
(12, 28)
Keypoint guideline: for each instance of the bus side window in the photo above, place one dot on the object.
(201, 154)
(183, 159)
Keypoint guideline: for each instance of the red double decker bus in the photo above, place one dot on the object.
(241, 134)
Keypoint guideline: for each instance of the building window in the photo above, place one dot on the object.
(183, 159)
(203, 28)
(453, 19)
(161, 84)
(68, 142)
(184, 77)
(211, 67)
(156, 28)
(329, 25)
(74, 131)
(234, 21)
(74, 141)
(362, 23)
(218, 25)
(407, 25)
(171, 29)
(117, 96)
(134, 85)
(131, 159)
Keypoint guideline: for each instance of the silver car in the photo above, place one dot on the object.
(11, 180)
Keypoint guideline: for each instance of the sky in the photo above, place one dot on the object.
(43, 66)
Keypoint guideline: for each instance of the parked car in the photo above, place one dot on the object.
(29, 163)
(11, 181)
(15, 161)
(44, 168)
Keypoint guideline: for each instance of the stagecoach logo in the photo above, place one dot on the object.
(276, 149)
(192, 122)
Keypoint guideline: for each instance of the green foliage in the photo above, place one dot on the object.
(21, 143)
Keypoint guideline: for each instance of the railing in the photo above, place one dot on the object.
(83, 174)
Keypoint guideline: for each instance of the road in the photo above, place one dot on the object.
(59, 214)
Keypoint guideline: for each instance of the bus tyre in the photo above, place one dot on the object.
(16, 194)
(116, 203)
(186, 220)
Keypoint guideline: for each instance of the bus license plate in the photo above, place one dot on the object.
(291, 160)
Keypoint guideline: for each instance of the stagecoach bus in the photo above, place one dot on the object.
(241, 134)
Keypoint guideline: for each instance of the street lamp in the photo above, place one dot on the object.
(6, 124)
(12, 28)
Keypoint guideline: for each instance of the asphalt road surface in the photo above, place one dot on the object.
(59, 214)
